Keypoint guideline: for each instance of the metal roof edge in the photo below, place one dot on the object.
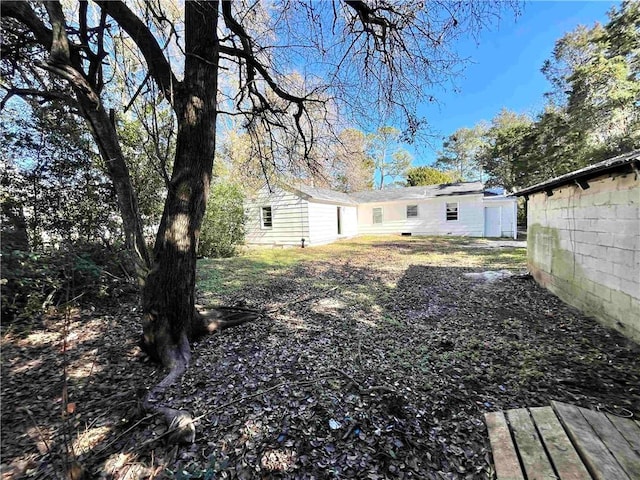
(628, 161)
(500, 198)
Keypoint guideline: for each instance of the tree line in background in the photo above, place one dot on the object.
(592, 112)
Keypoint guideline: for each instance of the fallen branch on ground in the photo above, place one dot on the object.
(365, 390)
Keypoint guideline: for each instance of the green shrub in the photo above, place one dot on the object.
(223, 224)
(29, 283)
(34, 281)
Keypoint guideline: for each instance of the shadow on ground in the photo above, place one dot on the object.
(369, 363)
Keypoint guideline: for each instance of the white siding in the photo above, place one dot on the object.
(289, 215)
(431, 219)
(323, 222)
(295, 218)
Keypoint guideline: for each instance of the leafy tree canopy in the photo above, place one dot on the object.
(427, 176)
(461, 151)
(593, 109)
(390, 159)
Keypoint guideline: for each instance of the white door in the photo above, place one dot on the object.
(492, 223)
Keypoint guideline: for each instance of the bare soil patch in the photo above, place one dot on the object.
(378, 359)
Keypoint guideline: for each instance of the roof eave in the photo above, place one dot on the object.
(627, 164)
(420, 199)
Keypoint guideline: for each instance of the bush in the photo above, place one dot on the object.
(223, 224)
(34, 281)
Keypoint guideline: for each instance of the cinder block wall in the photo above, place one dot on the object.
(584, 246)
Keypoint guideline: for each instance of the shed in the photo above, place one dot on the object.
(583, 240)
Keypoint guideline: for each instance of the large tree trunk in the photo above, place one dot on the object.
(168, 297)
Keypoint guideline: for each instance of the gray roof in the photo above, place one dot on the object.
(419, 193)
(627, 162)
(391, 194)
(324, 194)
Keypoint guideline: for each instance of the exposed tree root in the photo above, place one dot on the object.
(179, 422)
(211, 320)
(181, 427)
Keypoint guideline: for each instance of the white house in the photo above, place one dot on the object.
(583, 240)
(297, 216)
(286, 216)
(464, 208)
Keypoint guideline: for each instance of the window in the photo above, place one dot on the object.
(452, 211)
(412, 211)
(266, 217)
(377, 215)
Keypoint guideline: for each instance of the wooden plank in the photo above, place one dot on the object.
(563, 455)
(505, 457)
(595, 455)
(615, 442)
(536, 463)
(629, 429)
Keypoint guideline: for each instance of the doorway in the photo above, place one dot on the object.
(492, 221)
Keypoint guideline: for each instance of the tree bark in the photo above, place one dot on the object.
(106, 138)
(67, 64)
(168, 297)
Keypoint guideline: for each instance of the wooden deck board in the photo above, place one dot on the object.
(563, 455)
(629, 430)
(505, 457)
(563, 442)
(597, 457)
(534, 458)
(615, 442)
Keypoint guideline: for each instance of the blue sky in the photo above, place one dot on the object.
(504, 67)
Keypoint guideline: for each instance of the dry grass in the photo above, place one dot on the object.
(228, 275)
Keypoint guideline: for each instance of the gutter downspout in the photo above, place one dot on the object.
(515, 220)
(302, 201)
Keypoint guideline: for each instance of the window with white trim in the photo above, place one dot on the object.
(452, 211)
(412, 211)
(266, 217)
(377, 215)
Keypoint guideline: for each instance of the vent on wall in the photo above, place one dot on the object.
(406, 234)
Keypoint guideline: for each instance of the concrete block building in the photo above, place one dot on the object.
(583, 240)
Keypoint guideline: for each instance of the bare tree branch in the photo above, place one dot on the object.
(45, 95)
(59, 52)
(157, 63)
(23, 12)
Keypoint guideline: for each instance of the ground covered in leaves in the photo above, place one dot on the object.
(376, 358)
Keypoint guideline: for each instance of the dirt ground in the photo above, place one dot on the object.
(376, 358)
